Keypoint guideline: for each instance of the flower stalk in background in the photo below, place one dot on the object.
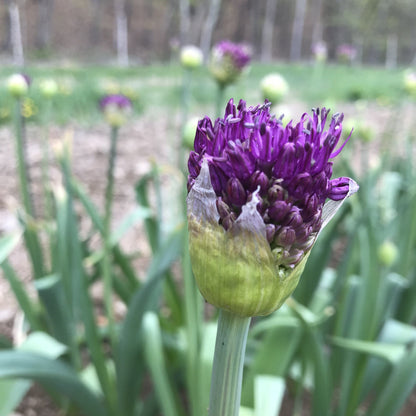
(18, 86)
(259, 194)
(48, 88)
(191, 58)
(116, 109)
(228, 62)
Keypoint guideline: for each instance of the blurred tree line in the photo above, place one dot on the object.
(381, 31)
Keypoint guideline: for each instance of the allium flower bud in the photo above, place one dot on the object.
(388, 253)
(191, 57)
(274, 87)
(18, 85)
(228, 60)
(116, 109)
(259, 194)
(409, 82)
(48, 88)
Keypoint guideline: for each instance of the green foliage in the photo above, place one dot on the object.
(156, 87)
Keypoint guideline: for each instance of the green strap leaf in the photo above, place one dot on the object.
(268, 396)
(129, 354)
(7, 245)
(157, 365)
(54, 375)
(399, 386)
(390, 352)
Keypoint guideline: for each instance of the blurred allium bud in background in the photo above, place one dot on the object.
(274, 88)
(18, 85)
(388, 253)
(116, 109)
(228, 61)
(259, 194)
(48, 88)
(191, 57)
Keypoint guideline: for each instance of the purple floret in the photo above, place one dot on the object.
(238, 53)
(289, 168)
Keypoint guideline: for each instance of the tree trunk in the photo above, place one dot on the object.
(317, 34)
(6, 41)
(43, 24)
(391, 51)
(267, 34)
(121, 33)
(208, 27)
(94, 26)
(16, 34)
(184, 21)
(297, 31)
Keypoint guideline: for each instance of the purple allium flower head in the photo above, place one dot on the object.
(238, 53)
(287, 171)
(228, 60)
(116, 108)
(115, 100)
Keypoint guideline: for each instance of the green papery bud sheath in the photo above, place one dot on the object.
(235, 270)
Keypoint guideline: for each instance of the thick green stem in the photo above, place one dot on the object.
(107, 269)
(227, 372)
(45, 162)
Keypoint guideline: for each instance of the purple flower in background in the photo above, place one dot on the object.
(260, 193)
(346, 53)
(228, 60)
(116, 108)
(320, 51)
(115, 100)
